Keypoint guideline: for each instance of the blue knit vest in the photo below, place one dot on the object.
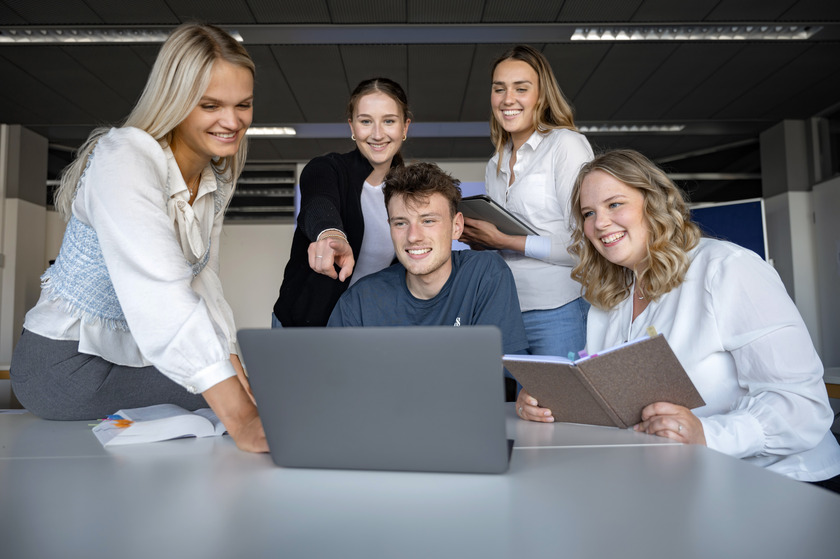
(80, 279)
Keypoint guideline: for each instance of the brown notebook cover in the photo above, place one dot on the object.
(608, 389)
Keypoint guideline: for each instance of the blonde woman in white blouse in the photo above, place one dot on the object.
(723, 310)
(538, 154)
(132, 312)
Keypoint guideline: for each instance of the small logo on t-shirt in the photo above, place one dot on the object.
(457, 321)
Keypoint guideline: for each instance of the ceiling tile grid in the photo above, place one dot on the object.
(599, 10)
(290, 11)
(369, 11)
(147, 12)
(445, 11)
(391, 61)
(436, 89)
(687, 66)
(315, 74)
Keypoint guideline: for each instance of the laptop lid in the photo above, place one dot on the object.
(427, 399)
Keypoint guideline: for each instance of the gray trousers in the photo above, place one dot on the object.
(54, 381)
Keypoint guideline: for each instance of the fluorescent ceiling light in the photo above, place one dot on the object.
(630, 128)
(89, 35)
(751, 32)
(271, 131)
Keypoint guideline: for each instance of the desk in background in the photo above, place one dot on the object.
(572, 491)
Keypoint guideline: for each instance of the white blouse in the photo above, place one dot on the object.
(377, 250)
(135, 198)
(743, 343)
(545, 170)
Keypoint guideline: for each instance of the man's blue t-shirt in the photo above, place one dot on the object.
(480, 290)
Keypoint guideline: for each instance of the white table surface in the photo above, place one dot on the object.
(625, 495)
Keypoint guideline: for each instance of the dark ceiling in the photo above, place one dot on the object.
(311, 53)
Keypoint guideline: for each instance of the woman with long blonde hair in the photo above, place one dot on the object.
(538, 154)
(132, 313)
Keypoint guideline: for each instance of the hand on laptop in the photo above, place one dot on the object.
(527, 408)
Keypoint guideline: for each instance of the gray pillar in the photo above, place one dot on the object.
(786, 176)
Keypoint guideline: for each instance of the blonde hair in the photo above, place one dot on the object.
(178, 79)
(552, 110)
(671, 233)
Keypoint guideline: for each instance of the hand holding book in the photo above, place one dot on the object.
(610, 388)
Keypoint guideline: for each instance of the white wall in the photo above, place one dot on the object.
(23, 248)
(253, 257)
(464, 171)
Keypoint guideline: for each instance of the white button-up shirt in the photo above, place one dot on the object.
(743, 343)
(545, 171)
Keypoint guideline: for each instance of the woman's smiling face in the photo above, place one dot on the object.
(379, 127)
(614, 219)
(514, 94)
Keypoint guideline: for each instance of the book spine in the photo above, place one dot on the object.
(581, 375)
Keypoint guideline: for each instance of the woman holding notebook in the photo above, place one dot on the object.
(723, 310)
(538, 154)
(132, 312)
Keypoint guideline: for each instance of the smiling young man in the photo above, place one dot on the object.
(432, 285)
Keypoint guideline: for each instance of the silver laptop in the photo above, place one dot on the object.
(427, 399)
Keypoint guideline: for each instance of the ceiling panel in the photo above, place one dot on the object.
(316, 77)
(437, 85)
(125, 68)
(53, 12)
(12, 107)
(688, 66)
(668, 10)
(505, 11)
(746, 10)
(290, 11)
(824, 94)
(369, 11)
(362, 62)
(813, 10)
(295, 149)
(573, 64)
(621, 72)
(791, 80)
(742, 73)
(44, 104)
(445, 11)
(274, 102)
(60, 73)
(228, 11)
(598, 10)
(147, 12)
(9, 17)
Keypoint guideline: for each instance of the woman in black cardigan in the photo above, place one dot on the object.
(340, 194)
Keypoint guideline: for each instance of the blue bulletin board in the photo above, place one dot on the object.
(740, 222)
